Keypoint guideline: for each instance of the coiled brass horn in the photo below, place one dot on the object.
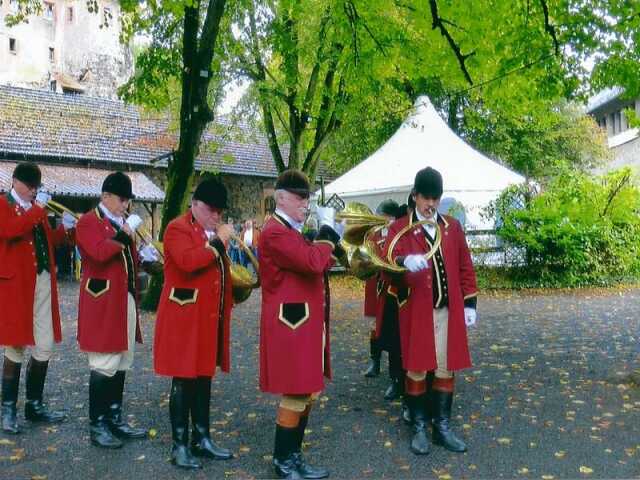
(361, 224)
(59, 209)
(242, 281)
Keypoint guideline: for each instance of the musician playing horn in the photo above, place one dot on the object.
(193, 327)
(28, 293)
(437, 302)
(294, 324)
(108, 322)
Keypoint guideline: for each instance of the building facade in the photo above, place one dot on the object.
(608, 110)
(66, 48)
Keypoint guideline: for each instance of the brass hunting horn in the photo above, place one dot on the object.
(241, 279)
(361, 224)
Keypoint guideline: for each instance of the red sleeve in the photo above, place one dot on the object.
(187, 256)
(93, 244)
(16, 226)
(292, 252)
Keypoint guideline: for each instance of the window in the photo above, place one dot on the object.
(12, 46)
(70, 15)
(48, 10)
(52, 54)
(53, 86)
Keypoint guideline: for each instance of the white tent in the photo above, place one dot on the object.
(424, 139)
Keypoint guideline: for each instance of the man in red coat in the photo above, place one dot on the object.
(108, 326)
(192, 330)
(294, 323)
(28, 293)
(437, 301)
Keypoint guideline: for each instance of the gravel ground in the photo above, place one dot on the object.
(553, 394)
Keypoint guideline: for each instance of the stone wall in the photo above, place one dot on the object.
(85, 48)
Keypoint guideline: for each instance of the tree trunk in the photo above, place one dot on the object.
(195, 114)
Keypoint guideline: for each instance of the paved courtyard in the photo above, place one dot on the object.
(552, 395)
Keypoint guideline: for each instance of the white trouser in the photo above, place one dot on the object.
(109, 363)
(42, 324)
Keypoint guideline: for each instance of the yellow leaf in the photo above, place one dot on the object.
(4, 441)
(444, 476)
(586, 470)
(560, 454)
(523, 471)
(388, 444)
(504, 441)
(153, 433)
(244, 449)
(251, 415)
(140, 458)
(39, 477)
(547, 477)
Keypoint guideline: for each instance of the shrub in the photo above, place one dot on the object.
(581, 230)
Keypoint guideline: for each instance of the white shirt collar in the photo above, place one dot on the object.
(20, 201)
(297, 225)
(429, 228)
(111, 216)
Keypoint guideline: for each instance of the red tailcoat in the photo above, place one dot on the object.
(102, 308)
(415, 296)
(371, 296)
(192, 330)
(374, 286)
(293, 310)
(18, 270)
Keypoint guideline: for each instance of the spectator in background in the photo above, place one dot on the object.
(250, 235)
(234, 249)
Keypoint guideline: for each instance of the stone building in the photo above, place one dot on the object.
(607, 108)
(80, 139)
(66, 48)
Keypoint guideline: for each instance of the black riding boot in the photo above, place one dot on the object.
(373, 370)
(284, 452)
(201, 444)
(34, 409)
(182, 392)
(100, 387)
(10, 385)
(420, 442)
(397, 375)
(118, 426)
(304, 469)
(442, 433)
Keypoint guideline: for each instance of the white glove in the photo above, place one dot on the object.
(149, 253)
(42, 197)
(133, 222)
(210, 234)
(68, 221)
(415, 263)
(326, 216)
(470, 316)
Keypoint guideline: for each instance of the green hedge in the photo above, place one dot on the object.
(581, 230)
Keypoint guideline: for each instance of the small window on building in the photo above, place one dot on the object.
(12, 46)
(48, 10)
(53, 86)
(52, 54)
(70, 15)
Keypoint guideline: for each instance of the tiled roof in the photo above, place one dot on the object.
(82, 182)
(48, 124)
